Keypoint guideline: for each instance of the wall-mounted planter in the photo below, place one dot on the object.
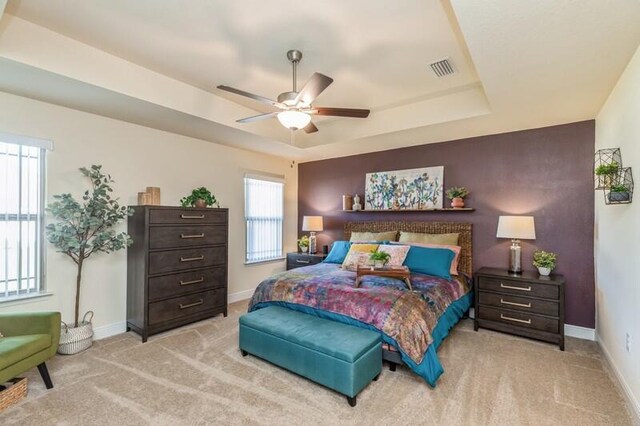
(615, 181)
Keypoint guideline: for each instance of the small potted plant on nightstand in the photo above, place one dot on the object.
(545, 261)
(379, 258)
(618, 193)
(457, 194)
(200, 198)
(303, 243)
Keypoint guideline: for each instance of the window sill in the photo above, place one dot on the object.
(259, 262)
(23, 298)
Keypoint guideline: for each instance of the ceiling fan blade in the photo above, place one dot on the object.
(312, 88)
(342, 112)
(310, 128)
(257, 117)
(252, 96)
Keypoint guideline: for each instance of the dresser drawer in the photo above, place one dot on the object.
(161, 237)
(516, 303)
(186, 282)
(178, 260)
(519, 319)
(184, 306)
(520, 288)
(299, 260)
(187, 216)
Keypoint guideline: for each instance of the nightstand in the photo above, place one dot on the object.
(298, 260)
(526, 304)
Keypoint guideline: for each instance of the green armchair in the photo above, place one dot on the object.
(29, 340)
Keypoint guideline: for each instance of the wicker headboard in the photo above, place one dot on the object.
(465, 264)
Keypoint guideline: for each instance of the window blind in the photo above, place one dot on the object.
(21, 213)
(264, 215)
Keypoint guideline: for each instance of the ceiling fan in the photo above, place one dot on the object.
(295, 109)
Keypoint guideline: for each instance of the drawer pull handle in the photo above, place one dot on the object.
(191, 305)
(306, 262)
(515, 288)
(522, 305)
(192, 216)
(199, 280)
(191, 259)
(515, 319)
(185, 236)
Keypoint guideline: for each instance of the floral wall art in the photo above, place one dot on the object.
(405, 189)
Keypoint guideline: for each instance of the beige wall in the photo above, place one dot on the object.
(618, 237)
(137, 157)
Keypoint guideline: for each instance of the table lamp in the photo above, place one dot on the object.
(312, 224)
(517, 228)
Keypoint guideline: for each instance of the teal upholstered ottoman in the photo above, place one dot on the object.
(339, 356)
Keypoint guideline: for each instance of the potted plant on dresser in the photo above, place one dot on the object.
(200, 198)
(545, 261)
(457, 194)
(81, 230)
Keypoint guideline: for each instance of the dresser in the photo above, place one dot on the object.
(176, 267)
(526, 304)
(298, 260)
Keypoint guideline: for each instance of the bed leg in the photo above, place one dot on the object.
(392, 366)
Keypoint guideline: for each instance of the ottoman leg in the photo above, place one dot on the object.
(351, 400)
(244, 353)
(375, 379)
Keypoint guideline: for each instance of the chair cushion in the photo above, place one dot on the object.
(16, 348)
(335, 339)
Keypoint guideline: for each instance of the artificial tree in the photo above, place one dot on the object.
(87, 227)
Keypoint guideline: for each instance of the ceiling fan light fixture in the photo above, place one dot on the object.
(294, 120)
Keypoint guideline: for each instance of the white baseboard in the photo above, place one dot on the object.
(109, 330)
(580, 332)
(240, 295)
(626, 389)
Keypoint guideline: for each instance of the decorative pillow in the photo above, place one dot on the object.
(398, 253)
(455, 249)
(338, 253)
(417, 237)
(366, 237)
(430, 261)
(358, 256)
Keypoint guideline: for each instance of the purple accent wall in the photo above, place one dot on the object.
(544, 172)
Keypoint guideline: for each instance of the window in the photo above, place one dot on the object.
(264, 213)
(21, 215)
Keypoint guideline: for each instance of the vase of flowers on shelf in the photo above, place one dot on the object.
(457, 194)
(545, 261)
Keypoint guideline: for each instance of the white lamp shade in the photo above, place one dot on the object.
(312, 223)
(516, 227)
(294, 120)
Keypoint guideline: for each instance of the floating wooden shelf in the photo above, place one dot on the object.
(445, 210)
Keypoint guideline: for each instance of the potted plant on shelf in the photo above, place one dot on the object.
(200, 198)
(545, 261)
(379, 258)
(457, 194)
(81, 230)
(618, 193)
(608, 173)
(303, 243)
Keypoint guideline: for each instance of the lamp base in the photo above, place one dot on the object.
(312, 243)
(515, 257)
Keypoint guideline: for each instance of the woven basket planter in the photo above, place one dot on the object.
(76, 339)
(14, 393)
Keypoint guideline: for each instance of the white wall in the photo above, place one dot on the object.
(618, 236)
(137, 157)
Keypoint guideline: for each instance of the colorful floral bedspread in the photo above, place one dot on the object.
(408, 317)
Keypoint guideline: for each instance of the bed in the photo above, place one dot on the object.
(413, 323)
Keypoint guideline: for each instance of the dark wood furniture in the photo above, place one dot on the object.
(298, 260)
(526, 304)
(465, 241)
(399, 272)
(176, 267)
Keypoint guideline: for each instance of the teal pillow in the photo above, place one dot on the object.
(430, 261)
(338, 252)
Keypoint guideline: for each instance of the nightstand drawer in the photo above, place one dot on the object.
(520, 288)
(519, 319)
(298, 260)
(538, 306)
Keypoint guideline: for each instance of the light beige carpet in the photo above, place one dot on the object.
(196, 376)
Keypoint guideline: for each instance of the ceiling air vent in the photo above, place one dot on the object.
(442, 68)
